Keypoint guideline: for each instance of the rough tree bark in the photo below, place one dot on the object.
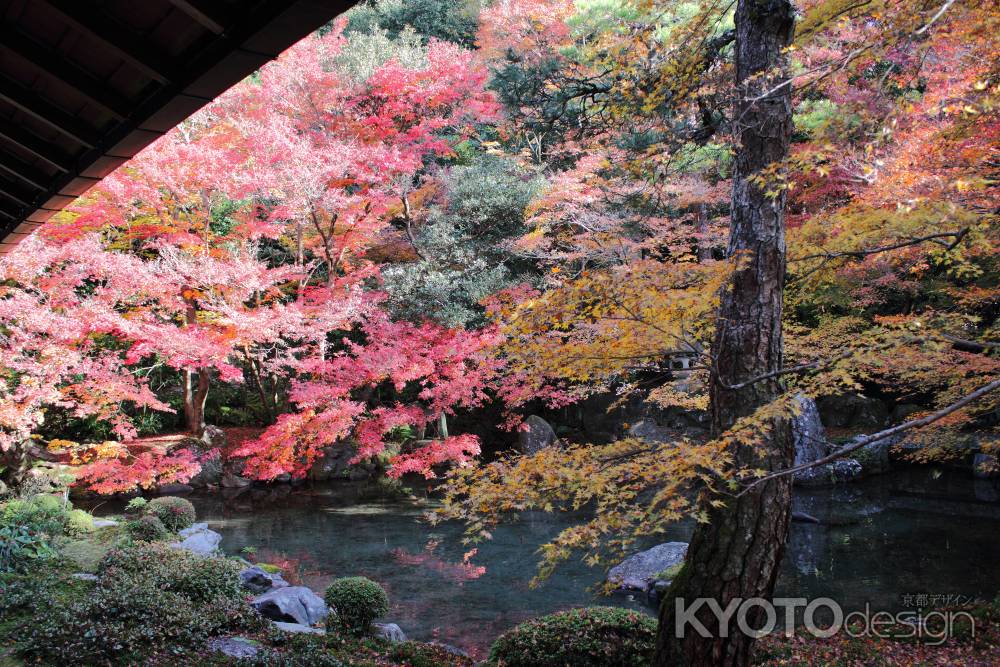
(737, 553)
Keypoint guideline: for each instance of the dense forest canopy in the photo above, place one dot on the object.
(435, 207)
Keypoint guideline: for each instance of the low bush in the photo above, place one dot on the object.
(589, 637)
(177, 570)
(43, 513)
(136, 506)
(358, 601)
(175, 513)
(147, 528)
(79, 522)
(151, 602)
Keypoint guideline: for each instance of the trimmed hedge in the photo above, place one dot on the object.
(175, 513)
(358, 601)
(588, 637)
(198, 578)
(147, 528)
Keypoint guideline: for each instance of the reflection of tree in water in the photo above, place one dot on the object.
(294, 568)
(455, 572)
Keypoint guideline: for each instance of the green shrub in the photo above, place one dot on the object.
(42, 513)
(358, 601)
(147, 529)
(137, 505)
(121, 623)
(197, 578)
(175, 513)
(79, 522)
(593, 636)
(150, 601)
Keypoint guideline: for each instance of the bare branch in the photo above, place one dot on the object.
(881, 435)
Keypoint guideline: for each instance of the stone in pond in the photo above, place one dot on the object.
(639, 571)
(257, 580)
(389, 631)
(297, 628)
(234, 647)
(295, 604)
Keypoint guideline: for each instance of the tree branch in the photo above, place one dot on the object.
(881, 435)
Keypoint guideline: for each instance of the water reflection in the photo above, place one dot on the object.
(913, 531)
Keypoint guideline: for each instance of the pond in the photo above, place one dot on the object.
(917, 531)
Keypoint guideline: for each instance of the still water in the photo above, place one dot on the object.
(885, 541)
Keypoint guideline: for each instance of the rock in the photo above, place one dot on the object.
(639, 571)
(210, 473)
(296, 604)
(901, 411)
(104, 523)
(297, 628)
(234, 647)
(807, 433)
(213, 437)
(389, 631)
(874, 457)
(231, 481)
(836, 472)
(852, 409)
(199, 539)
(650, 431)
(174, 489)
(985, 466)
(535, 435)
(85, 576)
(257, 580)
(194, 528)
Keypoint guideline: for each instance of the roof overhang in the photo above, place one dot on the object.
(85, 85)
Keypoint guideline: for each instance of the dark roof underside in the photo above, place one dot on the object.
(85, 85)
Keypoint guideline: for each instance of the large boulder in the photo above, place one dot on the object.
(535, 435)
(291, 604)
(852, 409)
(199, 539)
(257, 580)
(874, 457)
(639, 571)
(807, 433)
(650, 431)
(210, 473)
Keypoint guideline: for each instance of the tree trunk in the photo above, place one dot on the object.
(737, 553)
(195, 395)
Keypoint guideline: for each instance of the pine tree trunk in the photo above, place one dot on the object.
(737, 553)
